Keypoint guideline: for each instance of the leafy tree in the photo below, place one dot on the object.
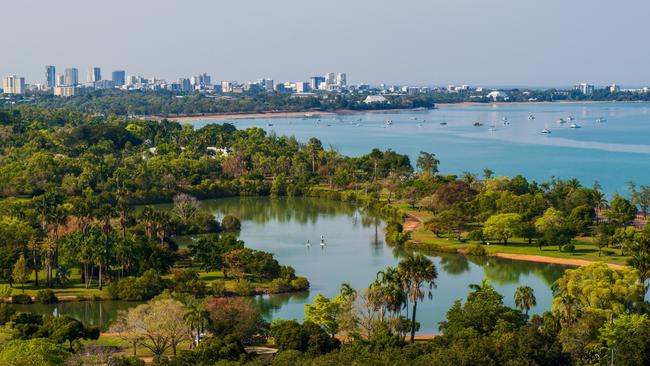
(324, 313)
(427, 162)
(502, 226)
(621, 211)
(234, 316)
(21, 271)
(33, 352)
(628, 339)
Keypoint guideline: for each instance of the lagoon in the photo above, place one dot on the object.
(355, 250)
(611, 152)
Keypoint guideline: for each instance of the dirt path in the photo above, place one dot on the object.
(411, 223)
(544, 259)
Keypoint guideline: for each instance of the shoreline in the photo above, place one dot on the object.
(279, 114)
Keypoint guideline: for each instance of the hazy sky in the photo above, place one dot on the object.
(427, 42)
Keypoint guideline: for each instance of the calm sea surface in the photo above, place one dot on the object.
(612, 152)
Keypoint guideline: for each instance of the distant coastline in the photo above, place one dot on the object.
(280, 114)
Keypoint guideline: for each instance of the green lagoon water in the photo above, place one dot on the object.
(355, 250)
(612, 152)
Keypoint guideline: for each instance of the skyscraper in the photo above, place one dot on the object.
(341, 79)
(94, 74)
(13, 84)
(50, 76)
(330, 79)
(119, 77)
(71, 76)
(314, 82)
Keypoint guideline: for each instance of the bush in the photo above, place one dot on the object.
(126, 361)
(46, 296)
(231, 223)
(141, 288)
(187, 281)
(280, 285)
(307, 337)
(477, 250)
(476, 235)
(218, 288)
(300, 284)
(21, 299)
(244, 287)
(570, 248)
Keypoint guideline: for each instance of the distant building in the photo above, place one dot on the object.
(342, 80)
(71, 76)
(330, 78)
(315, 82)
(614, 88)
(185, 84)
(226, 87)
(104, 84)
(497, 94)
(60, 80)
(375, 99)
(13, 85)
(584, 88)
(67, 91)
(302, 87)
(50, 77)
(268, 84)
(94, 74)
(119, 77)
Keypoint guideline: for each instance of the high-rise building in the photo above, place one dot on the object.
(330, 78)
(585, 88)
(119, 77)
(60, 80)
(341, 79)
(50, 77)
(315, 81)
(71, 76)
(302, 87)
(94, 74)
(268, 84)
(13, 84)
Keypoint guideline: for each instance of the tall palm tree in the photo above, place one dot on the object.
(525, 298)
(197, 317)
(420, 274)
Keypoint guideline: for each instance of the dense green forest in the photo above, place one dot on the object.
(75, 189)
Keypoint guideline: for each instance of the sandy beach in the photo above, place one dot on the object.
(544, 259)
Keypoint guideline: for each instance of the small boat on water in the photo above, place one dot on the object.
(546, 131)
(561, 121)
(600, 120)
(570, 118)
(575, 125)
(531, 117)
(389, 122)
(492, 129)
(443, 123)
(269, 124)
(478, 124)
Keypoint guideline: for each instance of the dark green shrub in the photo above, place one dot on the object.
(280, 285)
(570, 248)
(46, 296)
(231, 223)
(6, 312)
(21, 299)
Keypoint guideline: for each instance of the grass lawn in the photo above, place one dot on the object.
(584, 248)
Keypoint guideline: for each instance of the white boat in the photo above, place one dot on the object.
(575, 125)
(389, 122)
(600, 120)
(444, 121)
(546, 130)
(531, 117)
(492, 129)
(561, 121)
(570, 118)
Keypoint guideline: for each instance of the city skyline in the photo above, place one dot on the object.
(421, 42)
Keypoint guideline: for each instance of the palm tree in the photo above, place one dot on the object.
(525, 298)
(419, 275)
(197, 317)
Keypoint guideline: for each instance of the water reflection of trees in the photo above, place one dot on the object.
(92, 313)
(504, 271)
(268, 305)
